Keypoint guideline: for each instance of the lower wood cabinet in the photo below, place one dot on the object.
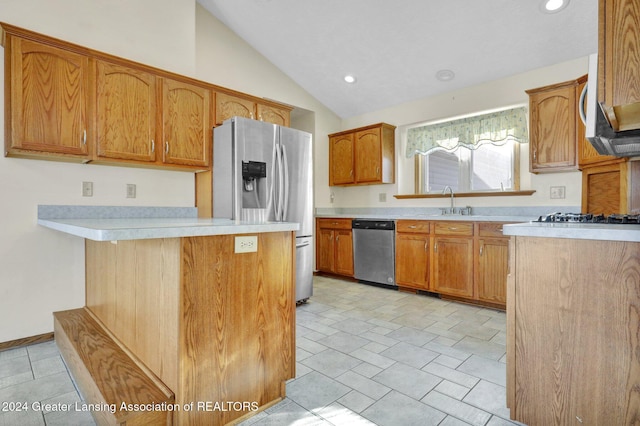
(492, 263)
(464, 260)
(334, 246)
(412, 254)
(453, 258)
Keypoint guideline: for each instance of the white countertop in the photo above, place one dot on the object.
(580, 231)
(451, 217)
(147, 228)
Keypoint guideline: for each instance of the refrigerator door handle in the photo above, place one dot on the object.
(278, 187)
(302, 245)
(285, 167)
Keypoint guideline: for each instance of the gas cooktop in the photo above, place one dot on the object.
(631, 219)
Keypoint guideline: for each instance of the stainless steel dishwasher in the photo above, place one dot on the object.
(374, 250)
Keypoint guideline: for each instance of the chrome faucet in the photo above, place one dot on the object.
(444, 191)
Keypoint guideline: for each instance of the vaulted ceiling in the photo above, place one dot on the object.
(395, 48)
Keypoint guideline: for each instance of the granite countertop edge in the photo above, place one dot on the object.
(114, 229)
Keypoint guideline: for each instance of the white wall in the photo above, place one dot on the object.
(500, 93)
(43, 270)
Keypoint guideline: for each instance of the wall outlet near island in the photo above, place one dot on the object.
(131, 190)
(87, 189)
(557, 192)
(248, 244)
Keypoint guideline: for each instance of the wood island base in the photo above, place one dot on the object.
(212, 330)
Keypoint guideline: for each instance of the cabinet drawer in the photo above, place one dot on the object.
(414, 226)
(490, 229)
(453, 228)
(334, 223)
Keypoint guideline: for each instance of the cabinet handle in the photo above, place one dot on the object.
(426, 246)
(84, 137)
(435, 247)
(337, 237)
(153, 145)
(535, 154)
(334, 223)
(260, 117)
(412, 227)
(351, 172)
(166, 147)
(377, 170)
(251, 115)
(452, 228)
(481, 249)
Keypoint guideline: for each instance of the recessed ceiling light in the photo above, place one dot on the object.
(349, 78)
(553, 6)
(445, 75)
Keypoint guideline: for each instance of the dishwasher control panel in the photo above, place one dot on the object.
(373, 224)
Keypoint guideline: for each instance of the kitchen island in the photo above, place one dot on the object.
(573, 323)
(204, 308)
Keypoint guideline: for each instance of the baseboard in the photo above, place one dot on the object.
(25, 341)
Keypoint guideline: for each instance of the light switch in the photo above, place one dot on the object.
(246, 244)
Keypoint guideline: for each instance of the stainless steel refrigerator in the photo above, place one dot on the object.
(264, 173)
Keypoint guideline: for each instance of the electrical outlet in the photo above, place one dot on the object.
(557, 192)
(131, 190)
(382, 197)
(87, 189)
(246, 244)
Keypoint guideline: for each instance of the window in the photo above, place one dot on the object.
(488, 168)
(478, 153)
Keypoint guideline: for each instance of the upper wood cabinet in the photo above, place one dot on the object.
(67, 102)
(186, 124)
(46, 105)
(228, 106)
(619, 62)
(126, 105)
(553, 117)
(611, 188)
(362, 156)
(341, 159)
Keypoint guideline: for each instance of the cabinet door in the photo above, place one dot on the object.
(186, 112)
(619, 45)
(228, 106)
(341, 160)
(492, 270)
(344, 252)
(46, 96)
(368, 156)
(412, 260)
(553, 130)
(325, 250)
(604, 189)
(126, 113)
(274, 115)
(453, 266)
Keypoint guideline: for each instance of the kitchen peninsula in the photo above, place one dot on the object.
(573, 323)
(191, 319)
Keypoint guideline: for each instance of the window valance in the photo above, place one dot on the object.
(495, 128)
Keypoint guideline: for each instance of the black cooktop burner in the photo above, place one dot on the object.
(633, 219)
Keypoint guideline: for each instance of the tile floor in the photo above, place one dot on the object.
(365, 356)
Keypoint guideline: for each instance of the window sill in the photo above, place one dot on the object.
(467, 194)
